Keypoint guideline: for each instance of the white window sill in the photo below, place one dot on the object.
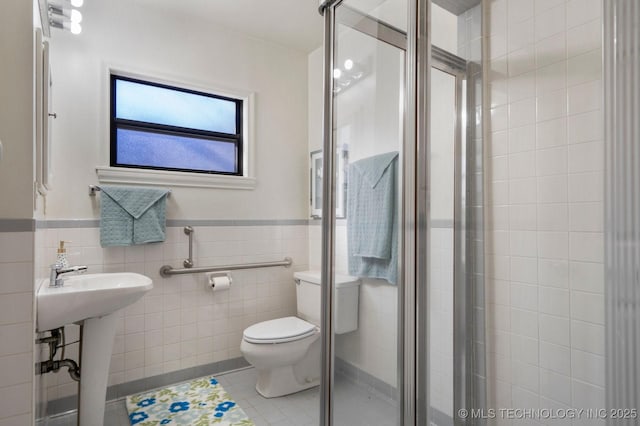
(172, 179)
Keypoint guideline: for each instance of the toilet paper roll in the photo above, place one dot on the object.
(219, 283)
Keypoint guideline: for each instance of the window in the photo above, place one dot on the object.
(160, 127)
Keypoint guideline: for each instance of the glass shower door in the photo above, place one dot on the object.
(442, 170)
(368, 79)
(407, 231)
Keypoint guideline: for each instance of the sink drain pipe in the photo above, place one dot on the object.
(55, 341)
(72, 367)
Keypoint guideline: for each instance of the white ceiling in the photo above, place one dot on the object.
(293, 23)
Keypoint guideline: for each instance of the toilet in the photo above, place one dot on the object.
(286, 351)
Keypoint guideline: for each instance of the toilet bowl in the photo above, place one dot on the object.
(286, 351)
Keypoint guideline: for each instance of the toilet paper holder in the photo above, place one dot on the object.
(211, 277)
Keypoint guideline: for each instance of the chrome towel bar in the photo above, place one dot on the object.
(95, 188)
(167, 270)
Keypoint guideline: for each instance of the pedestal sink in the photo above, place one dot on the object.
(92, 300)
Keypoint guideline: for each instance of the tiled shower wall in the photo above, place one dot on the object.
(544, 205)
(16, 328)
(181, 323)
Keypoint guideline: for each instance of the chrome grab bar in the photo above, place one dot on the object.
(167, 270)
(188, 263)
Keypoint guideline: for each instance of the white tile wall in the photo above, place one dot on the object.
(545, 274)
(181, 323)
(16, 328)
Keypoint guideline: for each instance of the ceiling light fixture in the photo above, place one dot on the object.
(63, 15)
(347, 77)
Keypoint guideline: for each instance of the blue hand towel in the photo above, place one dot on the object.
(132, 215)
(372, 235)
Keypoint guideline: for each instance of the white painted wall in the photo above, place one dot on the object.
(16, 109)
(544, 206)
(151, 41)
(315, 98)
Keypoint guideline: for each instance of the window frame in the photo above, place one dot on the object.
(238, 139)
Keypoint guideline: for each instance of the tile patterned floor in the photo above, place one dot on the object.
(355, 405)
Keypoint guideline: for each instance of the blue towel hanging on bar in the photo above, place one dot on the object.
(131, 216)
(372, 231)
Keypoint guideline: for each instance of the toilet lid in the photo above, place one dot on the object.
(279, 330)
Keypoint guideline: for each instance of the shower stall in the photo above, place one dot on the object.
(407, 114)
(465, 186)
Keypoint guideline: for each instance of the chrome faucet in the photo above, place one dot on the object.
(57, 270)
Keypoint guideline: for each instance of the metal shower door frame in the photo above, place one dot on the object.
(413, 296)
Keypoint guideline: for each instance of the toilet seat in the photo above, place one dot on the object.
(281, 330)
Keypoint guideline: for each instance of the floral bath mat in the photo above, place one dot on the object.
(201, 402)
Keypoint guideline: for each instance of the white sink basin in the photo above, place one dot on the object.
(92, 299)
(87, 296)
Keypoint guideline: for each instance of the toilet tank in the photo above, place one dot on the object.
(308, 296)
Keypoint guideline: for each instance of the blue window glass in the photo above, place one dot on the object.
(153, 104)
(146, 149)
(170, 128)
